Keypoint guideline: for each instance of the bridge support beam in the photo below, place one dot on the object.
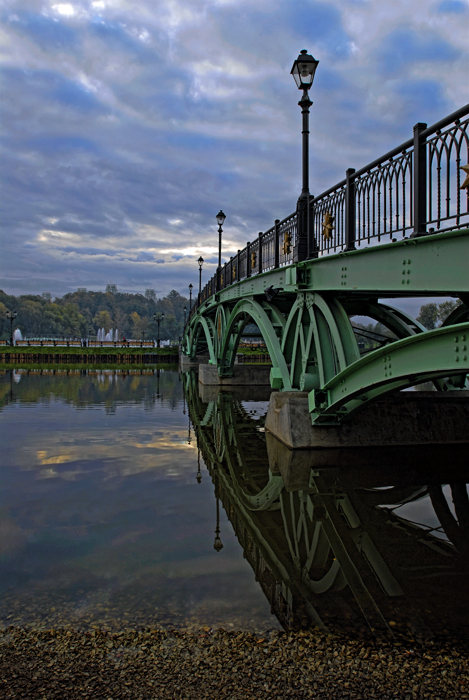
(405, 418)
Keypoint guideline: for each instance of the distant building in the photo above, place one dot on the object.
(150, 294)
(47, 296)
(111, 289)
(81, 289)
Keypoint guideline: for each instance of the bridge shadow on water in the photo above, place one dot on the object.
(365, 541)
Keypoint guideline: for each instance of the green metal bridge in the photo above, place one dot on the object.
(365, 241)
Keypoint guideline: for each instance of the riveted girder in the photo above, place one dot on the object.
(422, 357)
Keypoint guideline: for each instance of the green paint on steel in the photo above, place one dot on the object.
(205, 324)
(307, 330)
(422, 357)
(268, 320)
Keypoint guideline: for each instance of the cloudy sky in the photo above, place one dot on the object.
(127, 124)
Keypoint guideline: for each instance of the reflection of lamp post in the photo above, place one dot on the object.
(11, 315)
(158, 318)
(217, 544)
(201, 262)
(157, 383)
(303, 71)
(199, 474)
(190, 298)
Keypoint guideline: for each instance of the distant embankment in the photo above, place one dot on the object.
(87, 358)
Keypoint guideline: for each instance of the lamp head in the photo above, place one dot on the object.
(303, 70)
(200, 261)
(221, 218)
(191, 287)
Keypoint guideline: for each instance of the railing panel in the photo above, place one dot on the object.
(448, 205)
(254, 255)
(268, 250)
(288, 234)
(328, 214)
(384, 201)
(242, 264)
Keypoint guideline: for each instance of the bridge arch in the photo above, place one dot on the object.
(201, 338)
(271, 323)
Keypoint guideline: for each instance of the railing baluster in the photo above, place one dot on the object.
(350, 211)
(259, 254)
(420, 181)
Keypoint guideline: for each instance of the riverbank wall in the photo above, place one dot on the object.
(87, 359)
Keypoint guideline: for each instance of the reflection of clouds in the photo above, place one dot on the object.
(118, 452)
(56, 459)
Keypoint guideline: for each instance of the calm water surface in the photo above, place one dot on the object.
(102, 519)
(115, 487)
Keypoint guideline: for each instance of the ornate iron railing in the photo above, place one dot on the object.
(413, 190)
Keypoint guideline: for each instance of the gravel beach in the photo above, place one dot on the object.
(177, 664)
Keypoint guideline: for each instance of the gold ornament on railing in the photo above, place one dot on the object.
(222, 279)
(234, 272)
(465, 184)
(328, 225)
(253, 259)
(286, 243)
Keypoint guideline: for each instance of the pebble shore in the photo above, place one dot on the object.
(184, 665)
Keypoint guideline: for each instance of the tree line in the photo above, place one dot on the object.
(82, 314)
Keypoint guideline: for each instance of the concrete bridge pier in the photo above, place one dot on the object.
(243, 375)
(407, 418)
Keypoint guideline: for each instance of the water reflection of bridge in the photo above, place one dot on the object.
(328, 545)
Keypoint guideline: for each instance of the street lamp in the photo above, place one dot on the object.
(158, 318)
(190, 297)
(201, 262)
(11, 315)
(220, 220)
(303, 71)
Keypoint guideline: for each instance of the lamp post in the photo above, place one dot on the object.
(201, 262)
(190, 298)
(303, 71)
(220, 220)
(11, 315)
(158, 318)
(185, 312)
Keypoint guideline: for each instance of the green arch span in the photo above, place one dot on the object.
(260, 315)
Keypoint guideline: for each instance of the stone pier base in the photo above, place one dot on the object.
(186, 363)
(405, 418)
(243, 375)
